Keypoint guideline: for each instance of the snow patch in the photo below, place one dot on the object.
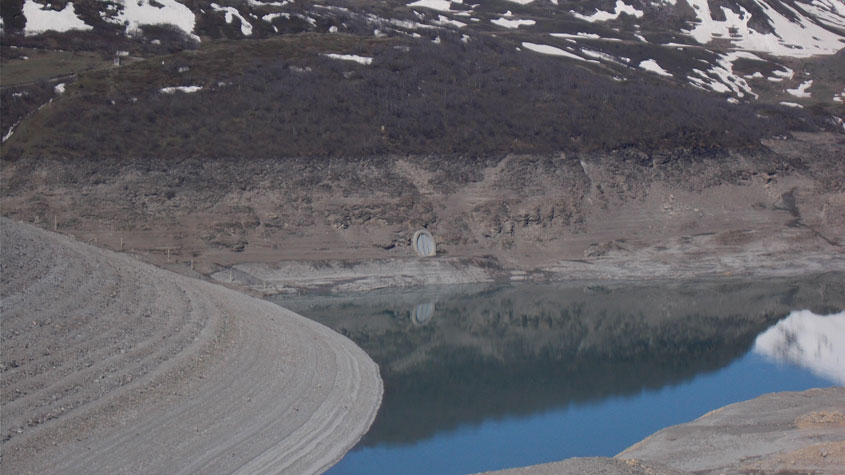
(592, 36)
(801, 90)
(257, 3)
(175, 89)
(780, 75)
(512, 24)
(600, 15)
(813, 341)
(444, 20)
(59, 88)
(439, 5)
(11, 131)
(799, 38)
(677, 45)
(829, 12)
(137, 13)
(231, 14)
(606, 57)
(350, 57)
(652, 66)
(551, 50)
(784, 73)
(721, 77)
(272, 16)
(39, 20)
(791, 104)
(583, 36)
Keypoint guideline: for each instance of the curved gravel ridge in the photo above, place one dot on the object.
(110, 365)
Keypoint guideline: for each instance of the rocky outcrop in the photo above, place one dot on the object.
(801, 432)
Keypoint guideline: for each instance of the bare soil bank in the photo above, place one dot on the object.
(110, 365)
(345, 224)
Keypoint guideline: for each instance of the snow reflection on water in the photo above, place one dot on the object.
(486, 377)
(815, 342)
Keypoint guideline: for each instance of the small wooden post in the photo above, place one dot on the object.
(192, 264)
(121, 242)
(168, 254)
(55, 223)
(230, 274)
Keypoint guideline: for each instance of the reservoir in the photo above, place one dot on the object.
(486, 377)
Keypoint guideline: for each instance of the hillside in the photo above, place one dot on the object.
(592, 139)
(268, 79)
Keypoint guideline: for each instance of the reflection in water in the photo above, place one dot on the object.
(812, 341)
(491, 353)
(423, 313)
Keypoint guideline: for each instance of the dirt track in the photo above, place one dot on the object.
(110, 365)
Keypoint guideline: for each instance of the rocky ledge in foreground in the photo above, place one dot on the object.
(794, 432)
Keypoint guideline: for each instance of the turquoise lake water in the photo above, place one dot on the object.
(483, 378)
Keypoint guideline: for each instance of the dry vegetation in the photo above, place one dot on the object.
(283, 97)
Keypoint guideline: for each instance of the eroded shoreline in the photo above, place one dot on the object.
(300, 224)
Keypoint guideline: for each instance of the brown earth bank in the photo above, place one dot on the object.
(789, 432)
(110, 365)
(293, 225)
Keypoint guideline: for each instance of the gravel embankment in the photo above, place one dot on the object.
(110, 365)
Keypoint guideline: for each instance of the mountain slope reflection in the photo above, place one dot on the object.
(458, 355)
(812, 341)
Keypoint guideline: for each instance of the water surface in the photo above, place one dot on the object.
(483, 378)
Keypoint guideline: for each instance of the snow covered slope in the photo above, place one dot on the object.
(743, 49)
(797, 28)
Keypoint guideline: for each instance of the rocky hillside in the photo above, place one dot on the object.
(666, 135)
(353, 78)
(623, 214)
